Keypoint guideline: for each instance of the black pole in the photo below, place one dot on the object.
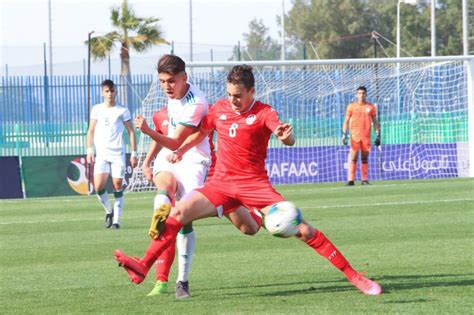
(89, 77)
(46, 95)
(88, 166)
(238, 50)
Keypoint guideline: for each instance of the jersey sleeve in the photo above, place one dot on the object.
(208, 122)
(94, 114)
(272, 119)
(373, 111)
(157, 121)
(126, 115)
(193, 114)
(349, 110)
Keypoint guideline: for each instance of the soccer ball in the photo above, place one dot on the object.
(282, 219)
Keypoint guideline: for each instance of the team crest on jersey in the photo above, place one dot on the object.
(251, 119)
(223, 117)
(367, 109)
(165, 123)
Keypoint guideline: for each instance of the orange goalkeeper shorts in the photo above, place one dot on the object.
(362, 144)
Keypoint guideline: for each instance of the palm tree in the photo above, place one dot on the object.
(132, 31)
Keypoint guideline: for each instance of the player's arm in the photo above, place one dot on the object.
(377, 130)
(345, 128)
(284, 133)
(90, 141)
(181, 133)
(133, 143)
(150, 156)
(190, 142)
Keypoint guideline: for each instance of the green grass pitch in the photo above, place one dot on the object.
(414, 237)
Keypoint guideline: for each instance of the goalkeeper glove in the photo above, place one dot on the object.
(377, 139)
(345, 137)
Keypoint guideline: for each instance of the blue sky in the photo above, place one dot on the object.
(216, 23)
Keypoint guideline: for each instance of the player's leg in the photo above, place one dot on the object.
(364, 157)
(117, 170)
(323, 246)
(352, 166)
(166, 186)
(117, 184)
(101, 174)
(191, 207)
(248, 222)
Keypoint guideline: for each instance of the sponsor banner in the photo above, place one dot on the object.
(10, 178)
(61, 176)
(329, 163)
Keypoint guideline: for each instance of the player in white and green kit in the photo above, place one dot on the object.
(186, 106)
(105, 135)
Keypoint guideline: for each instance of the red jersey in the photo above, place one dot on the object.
(160, 119)
(161, 122)
(242, 139)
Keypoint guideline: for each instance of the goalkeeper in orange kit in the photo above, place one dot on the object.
(359, 118)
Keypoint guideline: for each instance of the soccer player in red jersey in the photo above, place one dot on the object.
(243, 127)
(359, 118)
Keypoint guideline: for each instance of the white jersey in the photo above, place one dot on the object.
(108, 134)
(189, 111)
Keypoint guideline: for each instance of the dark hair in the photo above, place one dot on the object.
(171, 64)
(363, 88)
(108, 83)
(242, 74)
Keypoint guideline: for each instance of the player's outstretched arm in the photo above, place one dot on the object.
(190, 142)
(168, 142)
(284, 133)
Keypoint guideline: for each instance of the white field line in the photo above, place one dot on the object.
(140, 195)
(377, 204)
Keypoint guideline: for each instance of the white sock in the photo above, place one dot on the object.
(160, 199)
(118, 206)
(104, 200)
(185, 244)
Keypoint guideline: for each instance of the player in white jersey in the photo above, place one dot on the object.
(187, 105)
(105, 134)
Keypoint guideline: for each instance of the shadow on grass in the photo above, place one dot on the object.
(388, 283)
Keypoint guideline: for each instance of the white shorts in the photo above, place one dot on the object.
(113, 165)
(188, 175)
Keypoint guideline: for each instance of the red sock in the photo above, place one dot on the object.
(257, 217)
(166, 239)
(352, 171)
(325, 248)
(164, 263)
(364, 170)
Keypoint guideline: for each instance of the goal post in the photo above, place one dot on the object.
(425, 107)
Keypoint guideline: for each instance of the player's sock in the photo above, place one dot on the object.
(185, 242)
(167, 238)
(257, 216)
(164, 263)
(118, 206)
(160, 199)
(364, 169)
(104, 200)
(352, 171)
(325, 248)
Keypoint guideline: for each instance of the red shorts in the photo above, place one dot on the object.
(361, 144)
(230, 195)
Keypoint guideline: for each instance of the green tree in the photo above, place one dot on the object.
(259, 45)
(131, 31)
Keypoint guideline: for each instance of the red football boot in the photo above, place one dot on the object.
(133, 266)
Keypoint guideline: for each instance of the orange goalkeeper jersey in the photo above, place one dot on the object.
(360, 122)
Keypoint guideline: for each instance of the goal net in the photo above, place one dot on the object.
(422, 106)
